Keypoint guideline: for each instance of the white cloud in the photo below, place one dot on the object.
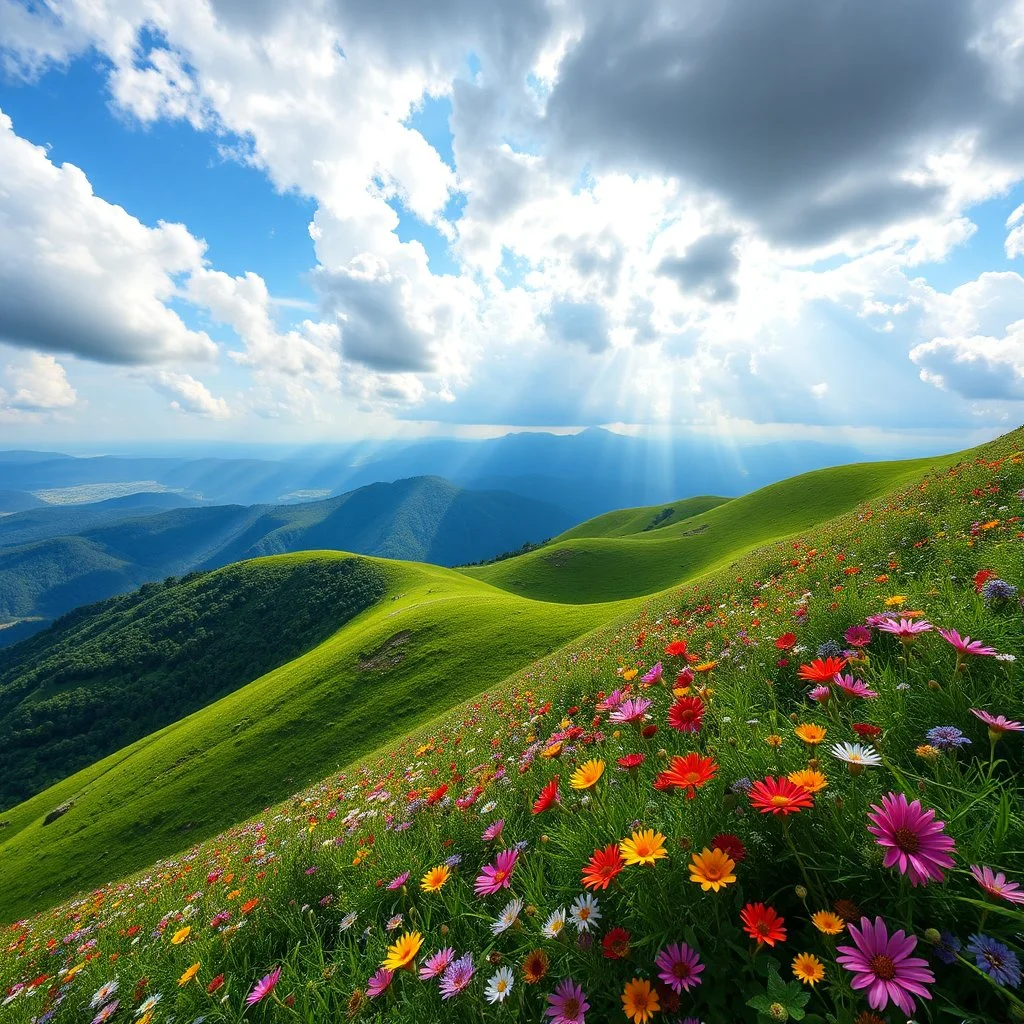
(1014, 244)
(189, 395)
(40, 384)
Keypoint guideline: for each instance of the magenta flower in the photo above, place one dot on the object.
(679, 967)
(497, 875)
(858, 636)
(493, 830)
(568, 1003)
(883, 965)
(853, 687)
(653, 675)
(612, 701)
(263, 987)
(632, 710)
(913, 839)
(997, 724)
(997, 885)
(905, 629)
(820, 694)
(378, 984)
(457, 977)
(964, 644)
(437, 963)
(399, 881)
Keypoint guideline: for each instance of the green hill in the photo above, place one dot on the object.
(106, 675)
(629, 553)
(55, 559)
(434, 638)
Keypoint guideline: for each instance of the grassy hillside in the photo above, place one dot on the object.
(108, 674)
(614, 557)
(311, 893)
(434, 639)
(52, 560)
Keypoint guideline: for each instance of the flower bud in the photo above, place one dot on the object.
(933, 936)
(801, 892)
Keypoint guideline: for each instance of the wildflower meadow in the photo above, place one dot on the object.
(789, 790)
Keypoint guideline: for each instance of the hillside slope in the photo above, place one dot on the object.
(614, 556)
(107, 675)
(52, 560)
(435, 638)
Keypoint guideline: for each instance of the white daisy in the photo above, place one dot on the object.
(499, 986)
(554, 924)
(348, 920)
(508, 916)
(857, 754)
(103, 994)
(584, 912)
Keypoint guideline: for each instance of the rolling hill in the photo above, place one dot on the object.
(456, 632)
(55, 559)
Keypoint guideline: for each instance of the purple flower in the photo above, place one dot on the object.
(398, 881)
(457, 977)
(998, 961)
(947, 737)
(679, 967)
(947, 948)
(913, 840)
(437, 963)
(858, 636)
(632, 710)
(378, 984)
(882, 964)
(653, 675)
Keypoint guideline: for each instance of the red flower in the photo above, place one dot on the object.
(821, 670)
(786, 642)
(779, 796)
(616, 944)
(684, 678)
(215, 984)
(730, 845)
(437, 795)
(866, 729)
(687, 714)
(603, 866)
(548, 797)
(631, 761)
(762, 924)
(676, 649)
(648, 731)
(689, 773)
(982, 577)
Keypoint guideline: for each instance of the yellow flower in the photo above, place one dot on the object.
(705, 666)
(234, 894)
(828, 923)
(927, 752)
(808, 968)
(895, 601)
(810, 733)
(181, 935)
(808, 779)
(74, 970)
(587, 774)
(189, 974)
(435, 878)
(640, 1001)
(713, 869)
(402, 952)
(552, 751)
(630, 674)
(774, 740)
(644, 847)
(680, 691)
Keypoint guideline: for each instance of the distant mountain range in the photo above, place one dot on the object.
(585, 474)
(55, 558)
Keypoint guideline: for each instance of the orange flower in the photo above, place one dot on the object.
(810, 733)
(808, 779)
(779, 796)
(689, 773)
(821, 670)
(762, 924)
(248, 905)
(602, 867)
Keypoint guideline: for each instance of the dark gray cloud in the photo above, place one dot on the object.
(977, 368)
(804, 117)
(707, 268)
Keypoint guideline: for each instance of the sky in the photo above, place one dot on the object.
(317, 220)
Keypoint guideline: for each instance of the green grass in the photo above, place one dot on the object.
(626, 522)
(612, 558)
(293, 725)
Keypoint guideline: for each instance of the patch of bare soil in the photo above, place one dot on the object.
(388, 655)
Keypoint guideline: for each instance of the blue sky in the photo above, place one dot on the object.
(312, 223)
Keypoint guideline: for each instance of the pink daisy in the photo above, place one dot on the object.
(612, 701)
(653, 675)
(905, 629)
(493, 830)
(437, 963)
(965, 645)
(378, 984)
(820, 693)
(399, 881)
(853, 687)
(997, 724)
(568, 1003)
(457, 977)
(913, 839)
(883, 965)
(496, 876)
(263, 987)
(106, 1012)
(997, 885)
(858, 636)
(679, 967)
(632, 710)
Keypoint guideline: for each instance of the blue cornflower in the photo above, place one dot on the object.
(830, 649)
(998, 590)
(947, 947)
(998, 961)
(947, 737)
(454, 860)
(743, 785)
